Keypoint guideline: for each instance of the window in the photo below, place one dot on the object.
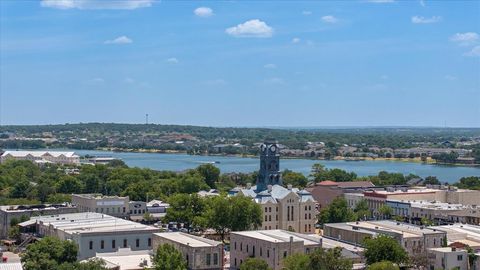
(269, 209)
(123, 209)
(235, 261)
(124, 243)
(305, 215)
(113, 244)
(90, 245)
(268, 253)
(241, 246)
(285, 253)
(265, 209)
(235, 245)
(307, 251)
(149, 242)
(137, 242)
(459, 257)
(309, 207)
(102, 244)
(288, 213)
(215, 258)
(309, 227)
(309, 216)
(247, 248)
(305, 227)
(265, 217)
(269, 218)
(261, 253)
(209, 258)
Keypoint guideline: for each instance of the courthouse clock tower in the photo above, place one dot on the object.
(269, 173)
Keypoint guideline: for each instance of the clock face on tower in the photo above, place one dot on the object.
(273, 148)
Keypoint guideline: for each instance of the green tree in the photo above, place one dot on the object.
(431, 180)
(168, 258)
(296, 261)
(385, 211)
(295, 179)
(362, 210)
(384, 248)
(210, 174)
(92, 264)
(254, 264)
(185, 208)
(385, 265)
(329, 259)
(48, 253)
(337, 211)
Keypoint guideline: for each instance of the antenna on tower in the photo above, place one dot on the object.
(146, 119)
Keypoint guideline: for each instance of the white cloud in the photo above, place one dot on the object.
(422, 3)
(475, 52)
(465, 39)
(251, 28)
(329, 19)
(271, 66)
(450, 77)
(306, 12)
(296, 40)
(203, 12)
(96, 4)
(173, 60)
(420, 19)
(119, 40)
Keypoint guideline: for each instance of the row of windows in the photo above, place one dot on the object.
(119, 210)
(114, 244)
(137, 212)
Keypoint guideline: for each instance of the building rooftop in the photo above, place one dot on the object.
(97, 196)
(26, 208)
(90, 222)
(277, 236)
(464, 233)
(188, 239)
(126, 259)
(39, 154)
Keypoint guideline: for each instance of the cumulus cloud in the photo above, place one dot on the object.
(475, 52)
(96, 4)
(270, 66)
(172, 60)
(420, 19)
(329, 19)
(203, 12)
(251, 28)
(465, 39)
(119, 40)
(296, 40)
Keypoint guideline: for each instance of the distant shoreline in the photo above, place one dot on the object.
(429, 160)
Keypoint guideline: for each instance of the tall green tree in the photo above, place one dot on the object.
(362, 210)
(48, 253)
(298, 261)
(337, 211)
(295, 179)
(385, 211)
(210, 173)
(185, 208)
(384, 248)
(385, 265)
(254, 264)
(168, 257)
(329, 259)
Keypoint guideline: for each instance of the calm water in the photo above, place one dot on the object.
(179, 162)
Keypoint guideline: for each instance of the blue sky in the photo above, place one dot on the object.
(239, 63)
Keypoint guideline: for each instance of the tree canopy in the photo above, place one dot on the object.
(384, 248)
(336, 211)
(254, 264)
(167, 257)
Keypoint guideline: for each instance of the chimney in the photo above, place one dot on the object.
(289, 187)
(291, 239)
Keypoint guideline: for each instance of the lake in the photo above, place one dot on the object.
(180, 162)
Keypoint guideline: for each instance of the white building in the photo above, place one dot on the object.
(94, 232)
(200, 253)
(447, 258)
(40, 157)
(273, 246)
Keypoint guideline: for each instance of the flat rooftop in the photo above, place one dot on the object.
(464, 233)
(278, 236)
(97, 196)
(127, 259)
(188, 239)
(373, 227)
(90, 222)
(25, 208)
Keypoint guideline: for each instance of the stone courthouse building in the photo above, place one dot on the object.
(284, 208)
